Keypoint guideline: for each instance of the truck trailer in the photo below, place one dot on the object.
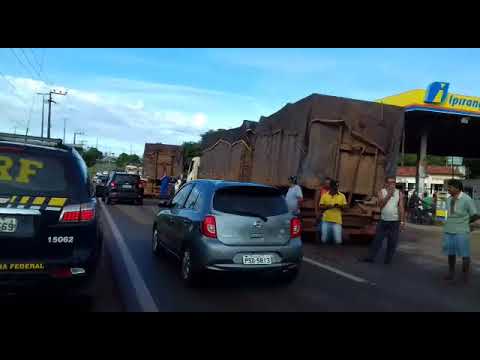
(355, 142)
(159, 160)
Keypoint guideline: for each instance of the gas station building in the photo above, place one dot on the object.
(438, 122)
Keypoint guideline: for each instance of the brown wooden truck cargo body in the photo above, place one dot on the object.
(158, 160)
(355, 142)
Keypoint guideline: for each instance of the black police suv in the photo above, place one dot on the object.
(49, 232)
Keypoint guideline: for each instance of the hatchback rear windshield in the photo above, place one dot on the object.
(255, 200)
(24, 173)
(120, 178)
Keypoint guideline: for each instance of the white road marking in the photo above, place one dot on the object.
(143, 294)
(336, 271)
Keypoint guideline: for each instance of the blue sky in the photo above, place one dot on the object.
(127, 97)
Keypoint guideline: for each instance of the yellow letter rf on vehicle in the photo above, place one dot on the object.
(49, 233)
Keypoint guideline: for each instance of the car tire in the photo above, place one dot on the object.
(157, 249)
(288, 277)
(190, 276)
(139, 202)
(108, 201)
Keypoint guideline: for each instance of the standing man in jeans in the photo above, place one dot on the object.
(391, 203)
(324, 189)
(456, 238)
(332, 204)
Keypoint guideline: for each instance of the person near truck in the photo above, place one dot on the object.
(325, 188)
(427, 202)
(294, 196)
(462, 213)
(391, 203)
(164, 184)
(332, 203)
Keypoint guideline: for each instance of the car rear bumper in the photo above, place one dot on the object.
(59, 273)
(211, 254)
(126, 195)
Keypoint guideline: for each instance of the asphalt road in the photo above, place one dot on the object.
(331, 279)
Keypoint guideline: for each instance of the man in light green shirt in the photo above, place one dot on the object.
(456, 239)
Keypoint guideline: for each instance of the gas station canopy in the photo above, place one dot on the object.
(451, 121)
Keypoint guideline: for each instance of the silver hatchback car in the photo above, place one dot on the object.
(225, 226)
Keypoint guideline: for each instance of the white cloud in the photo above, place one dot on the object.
(119, 119)
(199, 120)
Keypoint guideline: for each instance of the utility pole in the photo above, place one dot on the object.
(64, 128)
(43, 111)
(75, 135)
(54, 92)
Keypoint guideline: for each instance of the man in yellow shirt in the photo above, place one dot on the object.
(332, 204)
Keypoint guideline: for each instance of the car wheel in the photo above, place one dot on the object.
(156, 247)
(288, 277)
(190, 276)
(140, 202)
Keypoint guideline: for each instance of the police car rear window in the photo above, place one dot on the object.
(23, 173)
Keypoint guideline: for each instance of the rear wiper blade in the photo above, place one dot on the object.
(247, 213)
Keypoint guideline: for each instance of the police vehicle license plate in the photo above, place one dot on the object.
(257, 259)
(8, 225)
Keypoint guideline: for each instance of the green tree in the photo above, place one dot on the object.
(125, 159)
(473, 165)
(190, 150)
(91, 156)
(411, 160)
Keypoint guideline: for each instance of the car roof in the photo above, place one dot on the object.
(33, 142)
(219, 184)
(38, 146)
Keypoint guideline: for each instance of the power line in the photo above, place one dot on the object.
(21, 62)
(30, 63)
(8, 81)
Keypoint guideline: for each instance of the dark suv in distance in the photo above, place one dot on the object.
(49, 231)
(123, 187)
(229, 226)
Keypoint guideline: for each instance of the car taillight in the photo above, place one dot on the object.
(140, 185)
(113, 184)
(209, 227)
(78, 213)
(295, 228)
(60, 273)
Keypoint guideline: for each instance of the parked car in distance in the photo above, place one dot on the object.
(123, 187)
(100, 184)
(225, 226)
